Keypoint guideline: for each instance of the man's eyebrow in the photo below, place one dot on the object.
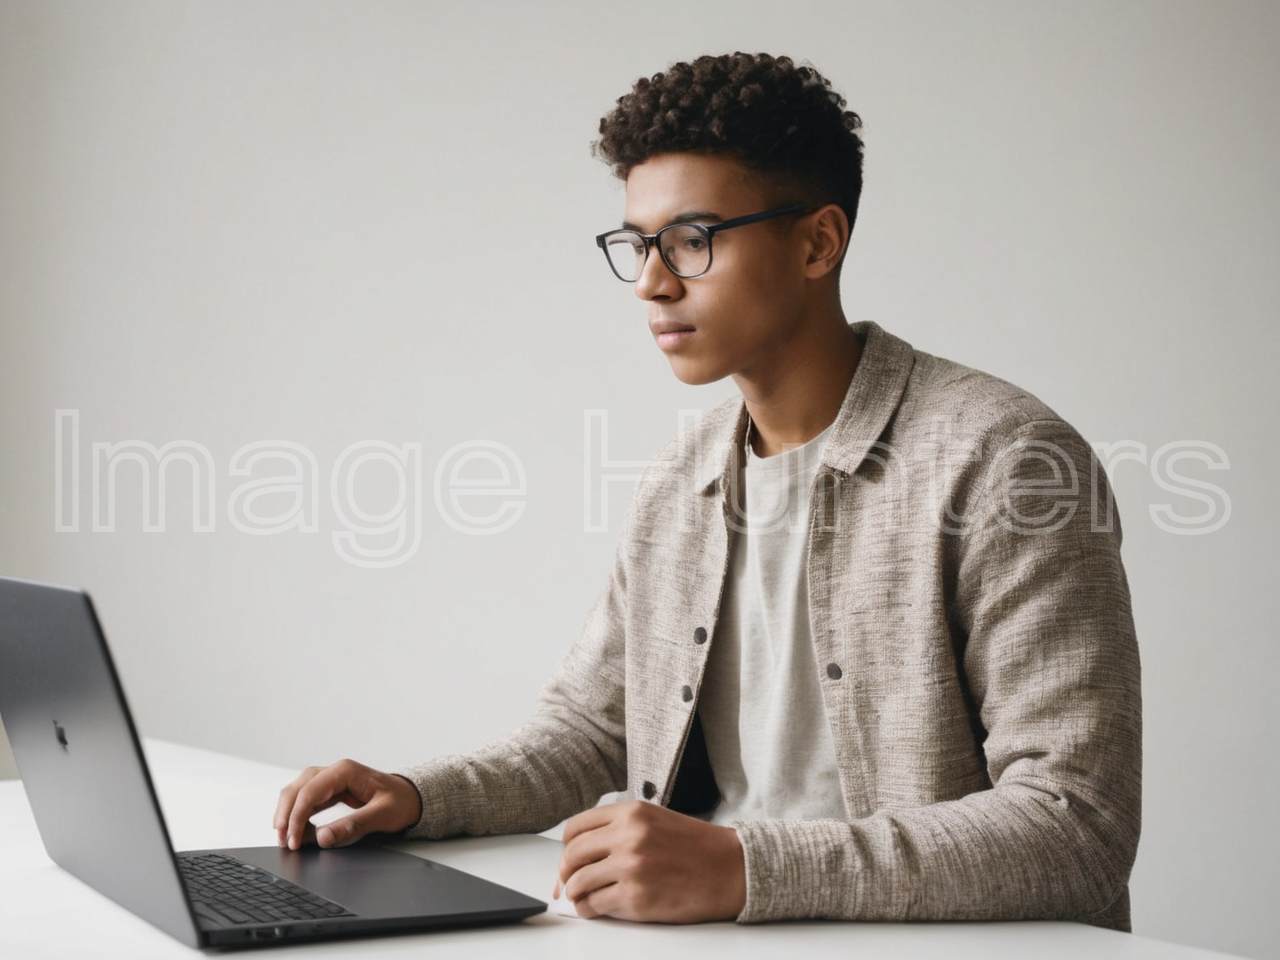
(691, 217)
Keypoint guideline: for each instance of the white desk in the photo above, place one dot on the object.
(212, 800)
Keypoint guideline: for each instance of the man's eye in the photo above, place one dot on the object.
(694, 243)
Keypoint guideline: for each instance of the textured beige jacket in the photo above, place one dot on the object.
(975, 645)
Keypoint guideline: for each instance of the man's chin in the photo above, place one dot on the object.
(694, 374)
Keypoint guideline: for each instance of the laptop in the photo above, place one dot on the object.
(89, 787)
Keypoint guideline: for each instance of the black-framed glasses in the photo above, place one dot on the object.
(684, 247)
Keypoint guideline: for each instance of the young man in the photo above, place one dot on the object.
(867, 650)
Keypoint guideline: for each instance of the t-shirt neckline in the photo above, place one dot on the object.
(807, 453)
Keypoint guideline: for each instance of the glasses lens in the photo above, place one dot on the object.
(626, 254)
(686, 248)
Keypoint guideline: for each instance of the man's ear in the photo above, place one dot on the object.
(828, 237)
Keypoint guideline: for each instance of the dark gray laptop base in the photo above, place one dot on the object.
(91, 793)
(386, 889)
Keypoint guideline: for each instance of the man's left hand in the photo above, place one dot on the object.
(640, 861)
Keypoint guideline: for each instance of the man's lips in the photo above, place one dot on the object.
(668, 326)
(670, 334)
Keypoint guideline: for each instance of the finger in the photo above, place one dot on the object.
(319, 793)
(284, 803)
(333, 801)
(603, 901)
(308, 831)
(308, 836)
(309, 828)
(597, 903)
(586, 848)
(591, 819)
(374, 817)
(594, 876)
(286, 800)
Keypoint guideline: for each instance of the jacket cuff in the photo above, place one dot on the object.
(797, 869)
(439, 784)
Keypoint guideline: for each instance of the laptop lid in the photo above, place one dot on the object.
(94, 803)
(79, 756)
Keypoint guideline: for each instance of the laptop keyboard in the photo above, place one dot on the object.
(227, 892)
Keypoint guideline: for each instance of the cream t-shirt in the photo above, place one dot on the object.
(768, 737)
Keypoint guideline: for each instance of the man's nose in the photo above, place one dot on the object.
(656, 281)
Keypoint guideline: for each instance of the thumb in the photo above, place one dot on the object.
(349, 829)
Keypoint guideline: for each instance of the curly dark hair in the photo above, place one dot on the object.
(777, 118)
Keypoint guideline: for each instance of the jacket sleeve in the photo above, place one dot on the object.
(1051, 662)
(570, 753)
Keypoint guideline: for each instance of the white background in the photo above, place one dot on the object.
(334, 222)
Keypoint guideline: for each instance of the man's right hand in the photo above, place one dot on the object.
(383, 802)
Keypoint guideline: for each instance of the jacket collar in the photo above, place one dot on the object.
(873, 395)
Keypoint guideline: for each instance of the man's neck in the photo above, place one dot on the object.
(801, 395)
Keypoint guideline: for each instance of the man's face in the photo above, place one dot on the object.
(739, 316)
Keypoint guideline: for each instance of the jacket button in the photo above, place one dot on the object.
(700, 635)
(686, 693)
(648, 790)
(834, 671)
